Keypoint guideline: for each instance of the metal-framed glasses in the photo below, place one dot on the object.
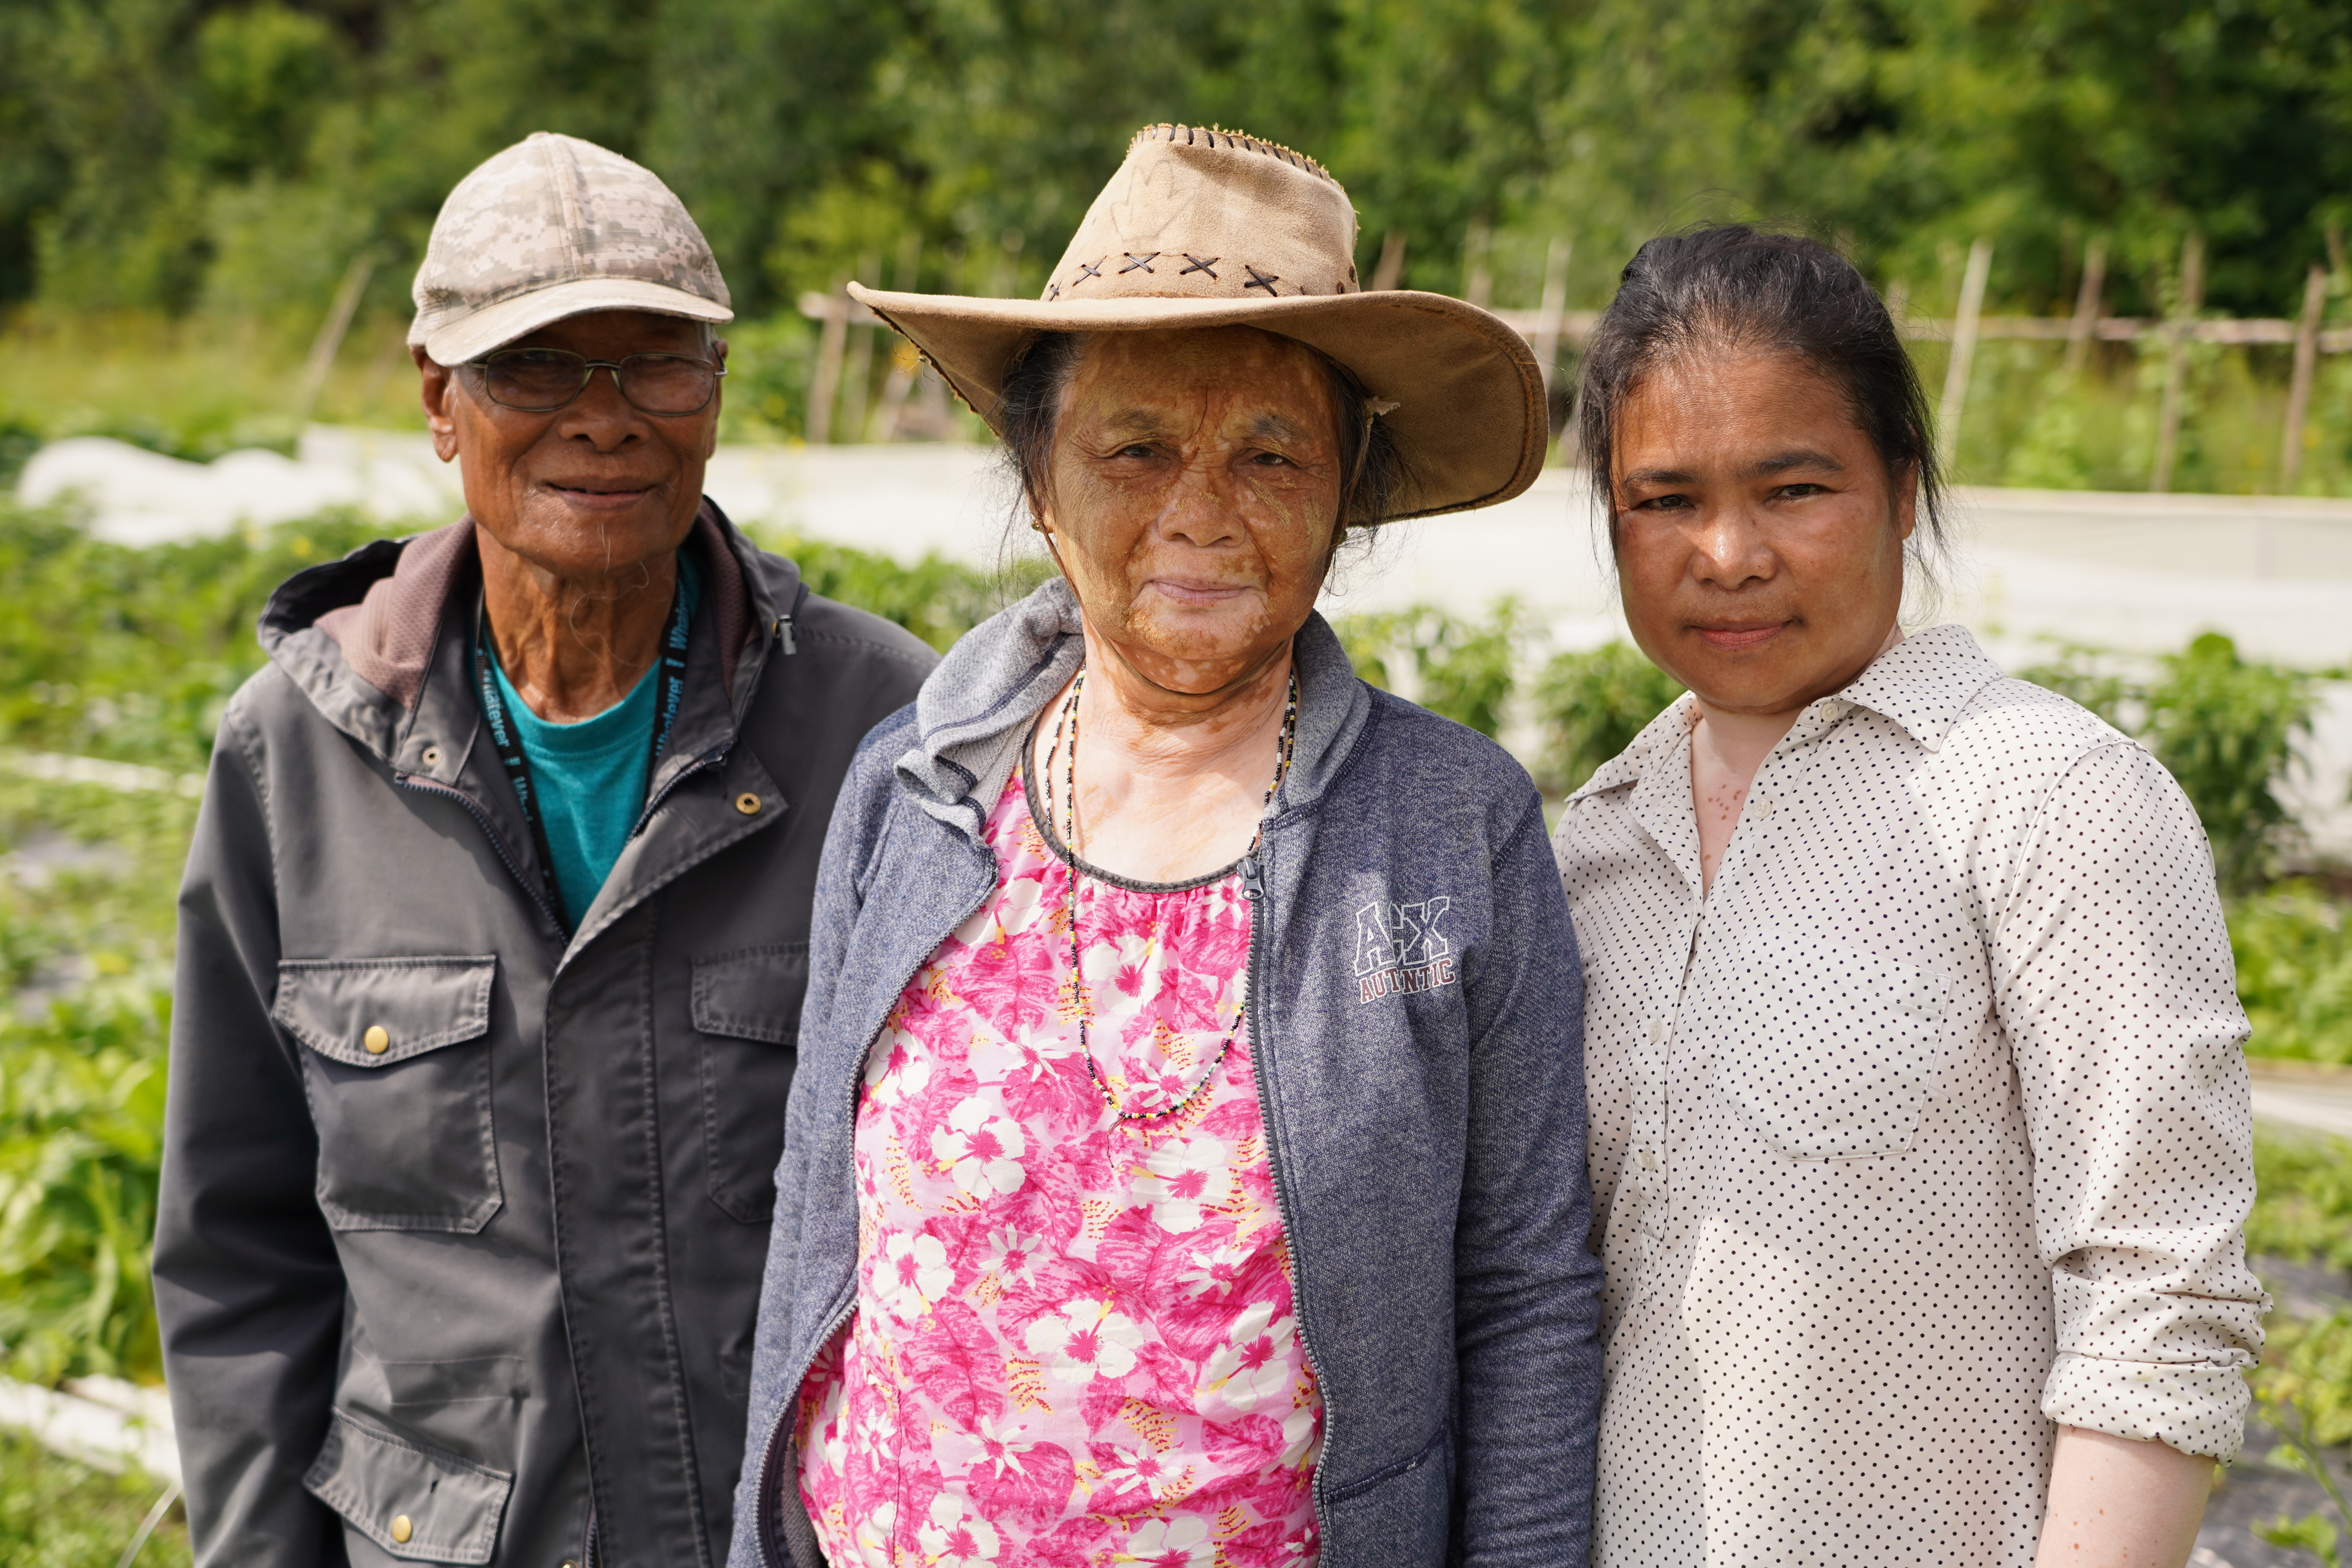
(540, 381)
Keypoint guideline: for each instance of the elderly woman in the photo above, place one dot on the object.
(1920, 1127)
(1186, 1162)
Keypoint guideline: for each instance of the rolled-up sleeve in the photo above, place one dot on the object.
(2119, 999)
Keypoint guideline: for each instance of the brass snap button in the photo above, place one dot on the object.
(748, 803)
(377, 1042)
(400, 1528)
(432, 757)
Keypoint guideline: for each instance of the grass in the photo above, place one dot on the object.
(55, 1513)
(202, 384)
(2029, 424)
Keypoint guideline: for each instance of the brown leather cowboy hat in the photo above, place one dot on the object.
(1209, 229)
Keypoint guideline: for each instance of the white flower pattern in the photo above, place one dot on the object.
(1043, 1350)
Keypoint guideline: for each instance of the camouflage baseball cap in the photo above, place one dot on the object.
(555, 226)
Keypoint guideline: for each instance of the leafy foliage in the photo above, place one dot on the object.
(133, 653)
(81, 1113)
(55, 1513)
(1592, 704)
(2303, 1389)
(2294, 974)
(1464, 670)
(169, 152)
(2304, 1211)
(2226, 726)
(937, 599)
(2227, 729)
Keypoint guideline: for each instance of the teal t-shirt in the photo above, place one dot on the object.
(591, 776)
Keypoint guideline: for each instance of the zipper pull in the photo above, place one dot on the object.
(785, 634)
(1253, 878)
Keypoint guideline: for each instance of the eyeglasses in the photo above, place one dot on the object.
(540, 381)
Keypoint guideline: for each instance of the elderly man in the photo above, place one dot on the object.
(493, 941)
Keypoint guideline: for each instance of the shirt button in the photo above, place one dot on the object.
(377, 1042)
(1649, 1159)
(1762, 802)
(1658, 1031)
(400, 1528)
(748, 803)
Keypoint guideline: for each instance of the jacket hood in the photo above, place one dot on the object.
(359, 636)
(975, 709)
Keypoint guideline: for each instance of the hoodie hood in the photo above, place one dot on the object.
(974, 712)
(360, 635)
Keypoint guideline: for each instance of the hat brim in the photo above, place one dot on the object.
(1470, 419)
(477, 334)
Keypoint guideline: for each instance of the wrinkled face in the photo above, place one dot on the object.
(1192, 497)
(1759, 540)
(593, 488)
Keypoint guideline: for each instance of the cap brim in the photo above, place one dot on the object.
(1469, 420)
(475, 334)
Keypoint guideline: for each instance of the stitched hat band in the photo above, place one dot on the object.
(1208, 228)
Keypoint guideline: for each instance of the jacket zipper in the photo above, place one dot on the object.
(1261, 1060)
(700, 765)
(490, 832)
(769, 1499)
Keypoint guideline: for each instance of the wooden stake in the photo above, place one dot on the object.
(827, 380)
(2176, 363)
(2085, 325)
(1551, 314)
(2299, 392)
(885, 423)
(1391, 263)
(1478, 279)
(1964, 348)
(858, 391)
(329, 341)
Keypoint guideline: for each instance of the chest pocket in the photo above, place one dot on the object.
(397, 1070)
(1833, 1050)
(747, 1007)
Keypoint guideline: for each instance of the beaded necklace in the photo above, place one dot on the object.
(1068, 721)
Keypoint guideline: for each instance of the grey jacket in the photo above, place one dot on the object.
(1416, 1019)
(438, 1293)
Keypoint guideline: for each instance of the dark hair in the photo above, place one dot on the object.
(1730, 286)
(1031, 403)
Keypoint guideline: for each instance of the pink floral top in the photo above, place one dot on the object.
(1075, 1341)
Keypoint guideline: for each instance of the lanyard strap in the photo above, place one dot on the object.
(507, 738)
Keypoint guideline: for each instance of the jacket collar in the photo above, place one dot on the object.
(1922, 684)
(974, 711)
(364, 636)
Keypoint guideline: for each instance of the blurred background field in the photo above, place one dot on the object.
(194, 189)
(210, 209)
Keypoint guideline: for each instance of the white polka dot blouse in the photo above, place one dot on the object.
(1926, 1129)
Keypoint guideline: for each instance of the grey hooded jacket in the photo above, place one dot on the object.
(463, 1218)
(1416, 1019)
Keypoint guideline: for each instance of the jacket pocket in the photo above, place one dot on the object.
(397, 1071)
(747, 1007)
(416, 1502)
(1834, 1049)
(1401, 1513)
